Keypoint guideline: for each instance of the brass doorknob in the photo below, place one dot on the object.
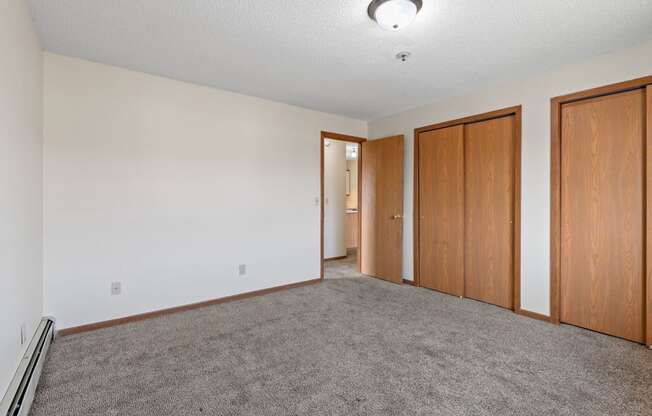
(397, 217)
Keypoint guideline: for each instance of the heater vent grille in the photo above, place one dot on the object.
(18, 399)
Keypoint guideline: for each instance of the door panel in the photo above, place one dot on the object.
(382, 208)
(489, 211)
(441, 207)
(602, 217)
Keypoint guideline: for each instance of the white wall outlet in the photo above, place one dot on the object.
(116, 288)
(23, 333)
(242, 270)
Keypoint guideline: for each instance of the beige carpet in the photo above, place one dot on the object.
(355, 346)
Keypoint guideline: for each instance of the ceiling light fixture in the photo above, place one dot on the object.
(394, 14)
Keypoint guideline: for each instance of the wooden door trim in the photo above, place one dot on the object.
(503, 112)
(555, 191)
(647, 306)
(344, 138)
(516, 111)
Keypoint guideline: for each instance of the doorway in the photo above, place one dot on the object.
(341, 196)
(377, 225)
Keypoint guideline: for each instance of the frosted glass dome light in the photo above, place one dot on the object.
(394, 14)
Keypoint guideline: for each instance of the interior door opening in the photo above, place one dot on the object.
(341, 208)
(361, 206)
(341, 157)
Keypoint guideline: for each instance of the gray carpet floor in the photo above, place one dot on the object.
(343, 268)
(347, 346)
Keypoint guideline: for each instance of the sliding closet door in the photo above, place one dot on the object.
(602, 214)
(489, 211)
(441, 199)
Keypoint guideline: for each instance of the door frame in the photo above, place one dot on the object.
(516, 111)
(555, 192)
(344, 138)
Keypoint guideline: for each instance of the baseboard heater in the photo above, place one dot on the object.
(19, 396)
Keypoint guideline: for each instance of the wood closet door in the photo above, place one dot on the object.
(602, 214)
(441, 207)
(489, 211)
(381, 238)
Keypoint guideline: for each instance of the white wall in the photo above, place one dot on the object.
(167, 187)
(21, 146)
(534, 94)
(335, 199)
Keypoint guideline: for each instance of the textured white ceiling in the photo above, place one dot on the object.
(328, 55)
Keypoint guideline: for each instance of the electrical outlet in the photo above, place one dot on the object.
(116, 288)
(23, 334)
(242, 270)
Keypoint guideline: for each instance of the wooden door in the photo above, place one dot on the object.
(602, 214)
(489, 211)
(441, 209)
(381, 238)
